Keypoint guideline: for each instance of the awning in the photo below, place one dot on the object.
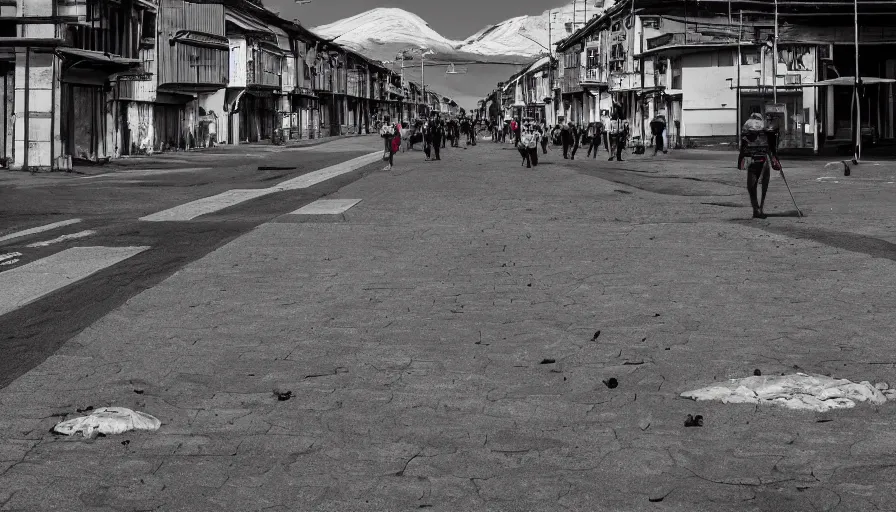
(246, 22)
(201, 39)
(850, 81)
(97, 57)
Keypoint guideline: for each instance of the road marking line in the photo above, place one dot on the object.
(326, 207)
(9, 256)
(39, 229)
(150, 172)
(28, 283)
(9, 262)
(63, 238)
(191, 210)
(327, 173)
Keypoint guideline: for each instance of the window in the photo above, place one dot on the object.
(654, 23)
(593, 58)
(726, 58)
(749, 57)
(676, 72)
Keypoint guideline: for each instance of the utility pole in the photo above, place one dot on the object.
(740, 31)
(856, 86)
(775, 58)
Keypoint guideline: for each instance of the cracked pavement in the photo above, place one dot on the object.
(415, 332)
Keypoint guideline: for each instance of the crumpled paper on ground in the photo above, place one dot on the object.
(108, 421)
(798, 391)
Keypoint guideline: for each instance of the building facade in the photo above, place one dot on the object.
(93, 80)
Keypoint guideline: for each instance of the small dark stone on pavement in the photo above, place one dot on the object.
(88, 408)
(596, 335)
(530, 284)
(694, 421)
(656, 315)
(611, 382)
(757, 373)
(138, 391)
(548, 361)
(126, 442)
(656, 500)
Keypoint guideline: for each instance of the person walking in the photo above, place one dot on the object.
(532, 145)
(566, 138)
(575, 140)
(657, 127)
(391, 135)
(619, 130)
(596, 129)
(543, 137)
(438, 135)
(427, 139)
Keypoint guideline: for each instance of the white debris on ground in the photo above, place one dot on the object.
(108, 421)
(798, 391)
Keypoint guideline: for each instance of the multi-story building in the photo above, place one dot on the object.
(707, 71)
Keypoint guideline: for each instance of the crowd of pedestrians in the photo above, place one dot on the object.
(611, 131)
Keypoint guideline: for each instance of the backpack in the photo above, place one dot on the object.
(387, 131)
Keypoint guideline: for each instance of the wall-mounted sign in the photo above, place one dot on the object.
(145, 77)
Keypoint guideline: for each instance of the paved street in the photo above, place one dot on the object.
(438, 335)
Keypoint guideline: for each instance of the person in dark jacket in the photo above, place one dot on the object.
(596, 129)
(576, 135)
(437, 133)
(566, 139)
(657, 127)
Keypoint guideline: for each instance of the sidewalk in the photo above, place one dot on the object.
(181, 158)
(438, 339)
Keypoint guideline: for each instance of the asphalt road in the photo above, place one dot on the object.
(110, 203)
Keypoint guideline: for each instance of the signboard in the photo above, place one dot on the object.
(776, 108)
(145, 77)
(237, 63)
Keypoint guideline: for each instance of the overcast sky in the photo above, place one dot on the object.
(454, 19)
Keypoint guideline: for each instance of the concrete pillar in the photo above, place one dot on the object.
(36, 141)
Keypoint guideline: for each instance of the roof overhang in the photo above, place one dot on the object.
(851, 81)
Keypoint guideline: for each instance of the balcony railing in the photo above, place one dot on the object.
(594, 76)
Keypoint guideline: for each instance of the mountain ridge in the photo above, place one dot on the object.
(382, 32)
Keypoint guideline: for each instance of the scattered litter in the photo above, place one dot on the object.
(798, 391)
(694, 421)
(88, 408)
(126, 442)
(632, 363)
(108, 421)
(275, 168)
(596, 335)
(282, 395)
(611, 382)
(548, 361)
(757, 373)
(645, 423)
(138, 391)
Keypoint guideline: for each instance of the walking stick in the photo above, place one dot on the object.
(789, 192)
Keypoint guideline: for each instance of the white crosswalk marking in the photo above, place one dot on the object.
(39, 229)
(191, 210)
(327, 207)
(63, 238)
(28, 283)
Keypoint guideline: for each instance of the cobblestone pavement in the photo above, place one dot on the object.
(438, 340)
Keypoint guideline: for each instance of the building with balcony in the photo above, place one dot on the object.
(61, 64)
(707, 71)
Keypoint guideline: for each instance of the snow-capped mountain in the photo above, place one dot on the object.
(529, 36)
(382, 32)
